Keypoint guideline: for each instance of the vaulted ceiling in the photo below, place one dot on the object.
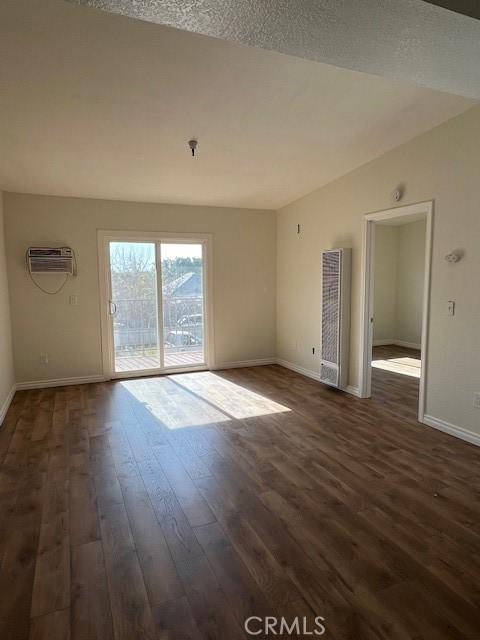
(94, 104)
(410, 40)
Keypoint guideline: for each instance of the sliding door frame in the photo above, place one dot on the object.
(104, 238)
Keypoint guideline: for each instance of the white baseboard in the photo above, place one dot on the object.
(315, 375)
(60, 382)
(398, 343)
(63, 382)
(355, 391)
(453, 430)
(8, 401)
(243, 363)
(298, 369)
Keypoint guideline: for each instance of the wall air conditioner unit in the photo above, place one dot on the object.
(336, 276)
(50, 260)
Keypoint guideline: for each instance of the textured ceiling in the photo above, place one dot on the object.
(99, 105)
(467, 7)
(410, 40)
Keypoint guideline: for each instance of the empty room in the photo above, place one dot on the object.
(239, 319)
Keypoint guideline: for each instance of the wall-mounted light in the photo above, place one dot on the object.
(454, 256)
(397, 194)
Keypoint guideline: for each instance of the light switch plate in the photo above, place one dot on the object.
(451, 307)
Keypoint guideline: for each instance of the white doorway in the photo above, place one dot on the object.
(406, 364)
(156, 303)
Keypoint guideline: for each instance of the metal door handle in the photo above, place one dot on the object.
(113, 308)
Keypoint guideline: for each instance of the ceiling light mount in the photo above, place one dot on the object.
(193, 146)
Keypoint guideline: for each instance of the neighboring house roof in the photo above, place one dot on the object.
(187, 286)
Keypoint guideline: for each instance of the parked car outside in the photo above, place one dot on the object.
(179, 338)
(193, 320)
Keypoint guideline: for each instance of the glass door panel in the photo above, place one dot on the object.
(134, 306)
(183, 304)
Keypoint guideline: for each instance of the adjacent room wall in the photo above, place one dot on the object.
(410, 281)
(7, 377)
(386, 274)
(441, 165)
(244, 278)
(399, 281)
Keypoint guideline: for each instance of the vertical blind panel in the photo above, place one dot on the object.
(330, 305)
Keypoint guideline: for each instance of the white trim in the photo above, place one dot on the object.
(63, 382)
(6, 405)
(354, 391)
(60, 382)
(398, 343)
(367, 280)
(453, 430)
(243, 363)
(159, 288)
(315, 375)
(149, 373)
(298, 369)
(104, 237)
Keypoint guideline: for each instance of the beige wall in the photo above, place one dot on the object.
(399, 281)
(410, 281)
(244, 278)
(441, 165)
(386, 274)
(7, 377)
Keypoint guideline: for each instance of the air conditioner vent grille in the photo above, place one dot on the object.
(336, 269)
(50, 260)
(330, 305)
(329, 374)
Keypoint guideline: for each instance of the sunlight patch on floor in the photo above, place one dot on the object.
(235, 400)
(404, 366)
(196, 399)
(172, 406)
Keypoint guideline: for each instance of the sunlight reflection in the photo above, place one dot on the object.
(404, 366)
(195, 399)
(233, 399)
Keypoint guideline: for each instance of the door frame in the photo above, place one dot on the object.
(104, 237)
(367, 294)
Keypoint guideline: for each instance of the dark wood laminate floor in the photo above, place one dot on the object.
(176, 507)
(394, 383)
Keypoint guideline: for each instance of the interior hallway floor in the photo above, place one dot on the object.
(176, 507)
(396, 379)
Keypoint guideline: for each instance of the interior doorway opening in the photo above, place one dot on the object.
(397, 245)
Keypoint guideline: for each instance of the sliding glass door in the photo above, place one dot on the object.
(134, 306)
(157, 305)
(182, 304)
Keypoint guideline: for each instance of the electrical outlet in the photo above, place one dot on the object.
(74, 300)
(451, 307)
(44, 358)
(476, 400)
